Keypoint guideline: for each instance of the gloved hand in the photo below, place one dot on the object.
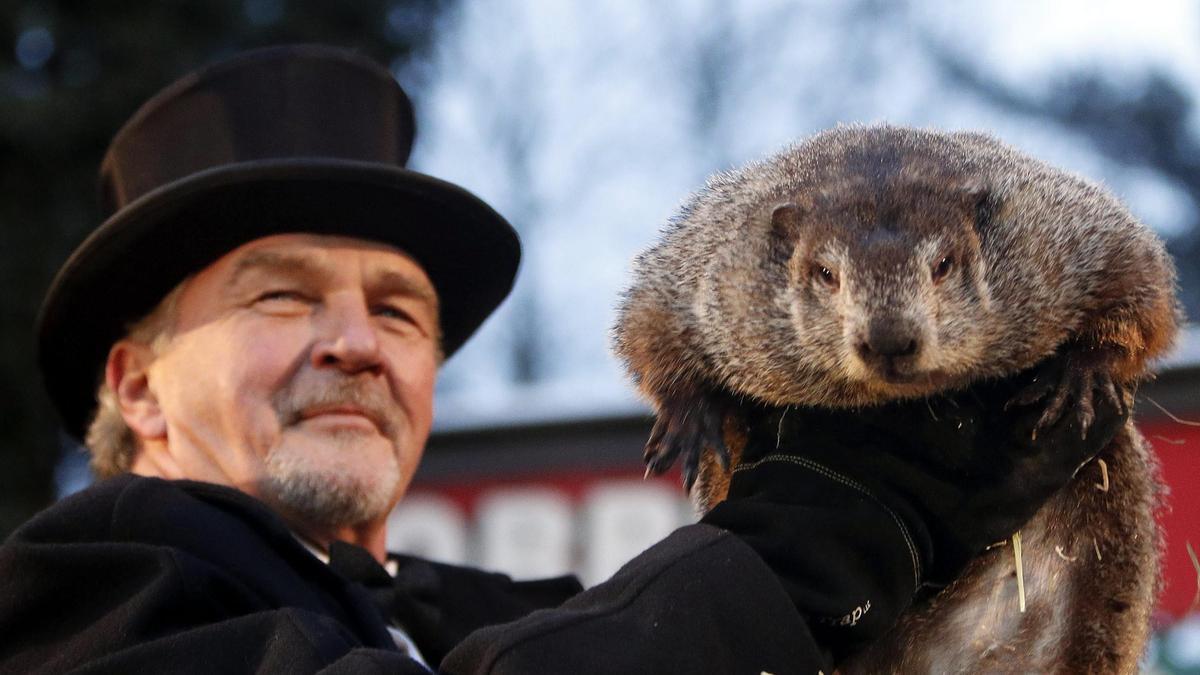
(855, 511)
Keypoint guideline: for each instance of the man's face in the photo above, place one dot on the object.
(301, 371)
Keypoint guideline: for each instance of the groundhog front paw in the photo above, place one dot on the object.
(687, 424)
(1075, 377)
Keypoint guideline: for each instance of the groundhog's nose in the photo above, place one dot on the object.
(890, 348)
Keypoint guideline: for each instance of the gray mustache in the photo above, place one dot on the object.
(305, 394)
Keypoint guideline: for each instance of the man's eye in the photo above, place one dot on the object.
(393, 312)
(281, 295)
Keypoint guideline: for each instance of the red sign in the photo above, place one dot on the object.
(590, 522)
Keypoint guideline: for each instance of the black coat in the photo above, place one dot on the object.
(145, 575)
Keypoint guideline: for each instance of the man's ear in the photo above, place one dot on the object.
(128, 376)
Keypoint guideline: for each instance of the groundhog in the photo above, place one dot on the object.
(870, 264)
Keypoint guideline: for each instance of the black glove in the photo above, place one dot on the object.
(856, 511)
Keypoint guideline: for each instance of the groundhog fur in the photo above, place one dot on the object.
(874, 263)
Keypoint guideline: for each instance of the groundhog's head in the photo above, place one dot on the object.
(885, 279)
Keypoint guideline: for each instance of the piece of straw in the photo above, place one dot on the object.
(1196, 565)
(1016, 540)
(1190, 423)
(1103, 484)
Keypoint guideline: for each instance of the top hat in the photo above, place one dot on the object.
(305, 139)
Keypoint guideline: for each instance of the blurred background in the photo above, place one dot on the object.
(586, 124)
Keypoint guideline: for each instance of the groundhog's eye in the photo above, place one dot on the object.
(942, 268)
(825, 276)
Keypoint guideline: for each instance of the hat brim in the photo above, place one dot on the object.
(128, 264)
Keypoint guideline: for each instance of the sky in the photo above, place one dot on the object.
(587, 124)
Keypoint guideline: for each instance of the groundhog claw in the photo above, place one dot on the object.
(1110, 390)
(1036, 391)
(1074, 376)
(687, 424)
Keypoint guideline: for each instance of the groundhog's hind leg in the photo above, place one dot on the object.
(690, 419)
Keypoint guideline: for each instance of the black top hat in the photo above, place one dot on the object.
(285, 139)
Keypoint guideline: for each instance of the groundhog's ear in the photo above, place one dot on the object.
(785, 219)
(981, 201)
(785, 224)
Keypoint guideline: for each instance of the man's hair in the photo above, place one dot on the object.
(110, 440)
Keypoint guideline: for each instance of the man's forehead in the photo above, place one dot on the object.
(282, 251)
(303, 242)
(315, 256)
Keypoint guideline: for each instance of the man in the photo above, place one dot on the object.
(249, 344)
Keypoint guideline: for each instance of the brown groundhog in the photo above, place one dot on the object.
(870, 264)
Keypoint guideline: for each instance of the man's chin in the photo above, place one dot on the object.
(324, 490)
(340, 424)
(336, 451)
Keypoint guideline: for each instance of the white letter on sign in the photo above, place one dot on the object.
(428, 526)
(621, 520)
(525, 533)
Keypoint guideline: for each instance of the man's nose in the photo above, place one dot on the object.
(347, 339)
